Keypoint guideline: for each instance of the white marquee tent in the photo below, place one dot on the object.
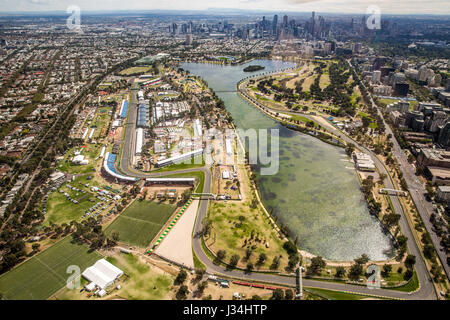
(102, 273)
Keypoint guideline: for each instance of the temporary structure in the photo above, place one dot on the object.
(102, 273)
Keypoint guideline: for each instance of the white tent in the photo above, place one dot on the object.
(102, 273)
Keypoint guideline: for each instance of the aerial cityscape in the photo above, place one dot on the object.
(254, 150)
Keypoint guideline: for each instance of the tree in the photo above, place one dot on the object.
(355, 272)
(410, 261)
(207, 225)
(408, 274)
(363, 259)
(181, 277)
(200, 273)
(248, 253)
(436, 271)
(391, 219)
(428, 251)
(182, 293)
(288, 294)
(202, 286)
(234, 260)
(261, 259)
(249, 267)
(290, 247)
(277, 294)
(317, 264)
(349, 149)
(275, 263)
(293, 260)
(387, 268)
(340, 272)
(255, 297)
(221, 254)
(185, 196)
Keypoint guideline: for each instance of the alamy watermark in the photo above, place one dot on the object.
(373, 22)
(73, 22)
(374, 280)
(74, 280)
(263, 148)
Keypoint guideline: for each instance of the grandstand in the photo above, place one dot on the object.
(179, 158)
(109, 169)
(124, 109)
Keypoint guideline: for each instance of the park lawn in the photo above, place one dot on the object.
(66, 165)
(145, 282)
(60, 210)
(262, 98)
(373, 124)
(303, 119)
(134, 70)
(229, 234)
(140, 222)
(308, 82)
(336, 295)
(386, 102)
(101, 121)
(45, 273)
(324, 80)
(233, 222)
(412, 285)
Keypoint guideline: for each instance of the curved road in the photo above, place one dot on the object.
(425, 291)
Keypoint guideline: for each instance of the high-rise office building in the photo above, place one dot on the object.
(275, 24)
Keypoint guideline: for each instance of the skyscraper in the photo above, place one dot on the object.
(275, 24)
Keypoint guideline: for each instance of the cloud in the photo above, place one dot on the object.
(300, 1)
(40, 1)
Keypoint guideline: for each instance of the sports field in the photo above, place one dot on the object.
(45, 273)
(134, 70)
(140, 222)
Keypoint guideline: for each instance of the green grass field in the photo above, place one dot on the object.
(145, 282)
(91, 152)
(134, 70)
(60, 210)
(336, 295)
(303, 119)
(412, 285)
(44, 274)
(140, 222)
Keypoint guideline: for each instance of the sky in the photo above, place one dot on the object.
(337, 6)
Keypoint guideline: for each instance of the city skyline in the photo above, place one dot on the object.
(329, 6)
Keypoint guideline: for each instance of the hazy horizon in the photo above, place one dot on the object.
(403, 7)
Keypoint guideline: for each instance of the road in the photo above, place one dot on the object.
(425, 292)
(416, 189)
